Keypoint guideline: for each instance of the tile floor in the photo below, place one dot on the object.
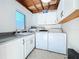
(41, 54)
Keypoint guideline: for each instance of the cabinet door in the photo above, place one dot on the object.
(68, 7)
(57, 42)
(76, 3)
(26, 46)
(41, 40)
(32, 42)
(7, 18)
(12, 50)
(29, 44)
(65, 8)
(60, 11)
(20, 49)
(51, 46)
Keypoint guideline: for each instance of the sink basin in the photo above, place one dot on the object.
(43, 30)
(26, 33)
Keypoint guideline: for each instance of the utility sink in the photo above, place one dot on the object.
(43, 30)
(24, 34)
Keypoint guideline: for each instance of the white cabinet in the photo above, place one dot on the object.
(65, 8)
(60, 10)
(57, 42)
(18, 48)
(29, 44)
(12, 49)
(76, 3)
(68, 7)
(41, 40)
(7, 16)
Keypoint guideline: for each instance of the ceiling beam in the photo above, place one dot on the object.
(35, 6)
(41, 4)
(58, 1)
(48, 6)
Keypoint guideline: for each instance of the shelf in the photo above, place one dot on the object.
(72, 16)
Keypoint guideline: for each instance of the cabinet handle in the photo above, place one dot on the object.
(23, 41)
(61, 14)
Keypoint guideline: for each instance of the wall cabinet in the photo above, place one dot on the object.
(55, 42)
(65, 8)
(41, 40)
(60, 10)
(7, 16)
(12, 49)
(29, 44)
(68, 7)
(76, 4)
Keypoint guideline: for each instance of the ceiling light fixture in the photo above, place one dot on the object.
(45, 1)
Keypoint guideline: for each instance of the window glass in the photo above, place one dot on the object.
(20, 21)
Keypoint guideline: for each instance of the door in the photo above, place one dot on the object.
(41, 40)
(57, 42)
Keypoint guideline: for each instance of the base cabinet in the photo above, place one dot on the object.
(18, 48)
(29, 44)
(41, 40)
(55, 42)
(12, 50)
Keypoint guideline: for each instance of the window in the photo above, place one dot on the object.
(20, 21)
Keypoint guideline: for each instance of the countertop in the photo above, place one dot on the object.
(4, 39)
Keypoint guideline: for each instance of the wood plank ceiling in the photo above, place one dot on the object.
(36, 6)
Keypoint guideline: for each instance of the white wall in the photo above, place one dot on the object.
(44, 18)
(28, 14)
(72, 30)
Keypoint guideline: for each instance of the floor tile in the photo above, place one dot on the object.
(41, 54)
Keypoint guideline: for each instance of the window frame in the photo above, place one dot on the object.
(24, 21)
